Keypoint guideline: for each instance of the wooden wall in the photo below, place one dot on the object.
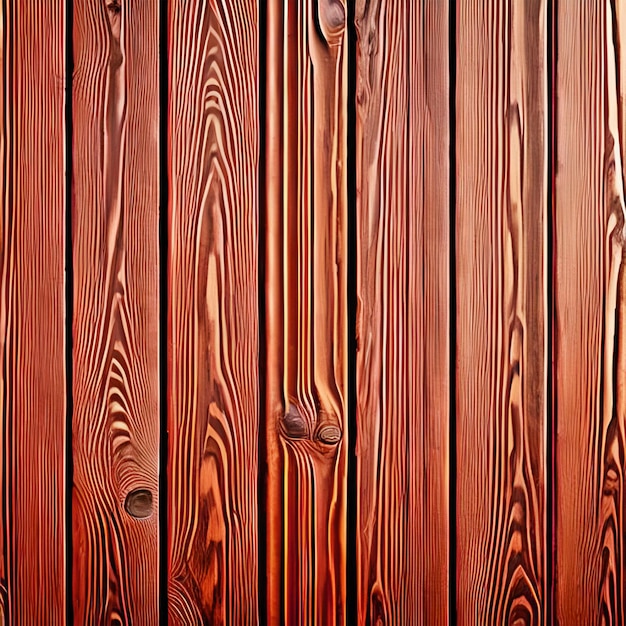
(312, 312)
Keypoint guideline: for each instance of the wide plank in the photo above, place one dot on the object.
(116, 303)
(501, 311)
(305, 434)
(590, 314)
(32, 308)
(212, 326)
(403, 360)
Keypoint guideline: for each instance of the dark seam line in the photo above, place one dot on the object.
(453, 347)
(351, 283)
(163, 312)
(69, 310)
(262, 354)
(551, 412)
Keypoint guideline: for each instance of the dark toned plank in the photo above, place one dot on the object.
(501, 311)
(590, 315)
(116, 291)
(32, 369)
(213, 323)
(305, 422)
(403, 215)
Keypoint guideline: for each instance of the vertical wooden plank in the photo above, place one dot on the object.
(501, 241)
(305, 421)
(115, 331)
(32, 305)
(403, 215)
(590, 314)
(213, 312)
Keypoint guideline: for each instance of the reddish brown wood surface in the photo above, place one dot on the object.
(403, 329)
(32, 334)
(213, 150)
(590, 314)
(115, 326)
(306, 209)
(501, 312)
(259, 181)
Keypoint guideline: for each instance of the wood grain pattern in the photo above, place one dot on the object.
(213, 128)
(501, 269)
(32, 334)
(115, 330)
(403, 313)
(305, 422)
(590, 314)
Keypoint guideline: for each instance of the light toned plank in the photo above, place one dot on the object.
(590, 314)
(403, 214)
(501, 311)
(213, 131)
(306, 426)
(32, 305)
(116, 291)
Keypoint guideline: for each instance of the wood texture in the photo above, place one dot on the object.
(501, 312)
(32, 334)
(213, 129)
(305, 421)
(590, 314)
(115, 329)
(403, 209)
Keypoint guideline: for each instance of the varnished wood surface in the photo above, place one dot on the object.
(403, 241)
(305, 467)
(489, 429)
(590, 317)
(213, 153)
(501, 312)
(115, 326)
(32, 334)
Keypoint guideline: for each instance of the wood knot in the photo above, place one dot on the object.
(294, 424)
(114, 7)
(329, 434)
(332, 16)
(139, 503)
(611, 482)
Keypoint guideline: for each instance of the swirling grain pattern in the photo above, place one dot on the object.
(306, 210)
(590, 314)
(501, 311)
(32, 342)
(115, 328)
(403, 315)
(213, 129)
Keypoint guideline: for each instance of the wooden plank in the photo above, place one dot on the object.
(590, 314)
(213, 126)
(305, 427)
(403, 215)
(501, 310)
(32, 305)
(116, 304)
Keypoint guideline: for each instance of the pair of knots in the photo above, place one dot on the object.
(326, 429)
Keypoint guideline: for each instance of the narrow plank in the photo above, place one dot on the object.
(403, 216)
(115, 330)
(32, 334)
(305, 423)
(213, 323)
(501, 309)
(590, 314)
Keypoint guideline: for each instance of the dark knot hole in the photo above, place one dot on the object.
(139, 503)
